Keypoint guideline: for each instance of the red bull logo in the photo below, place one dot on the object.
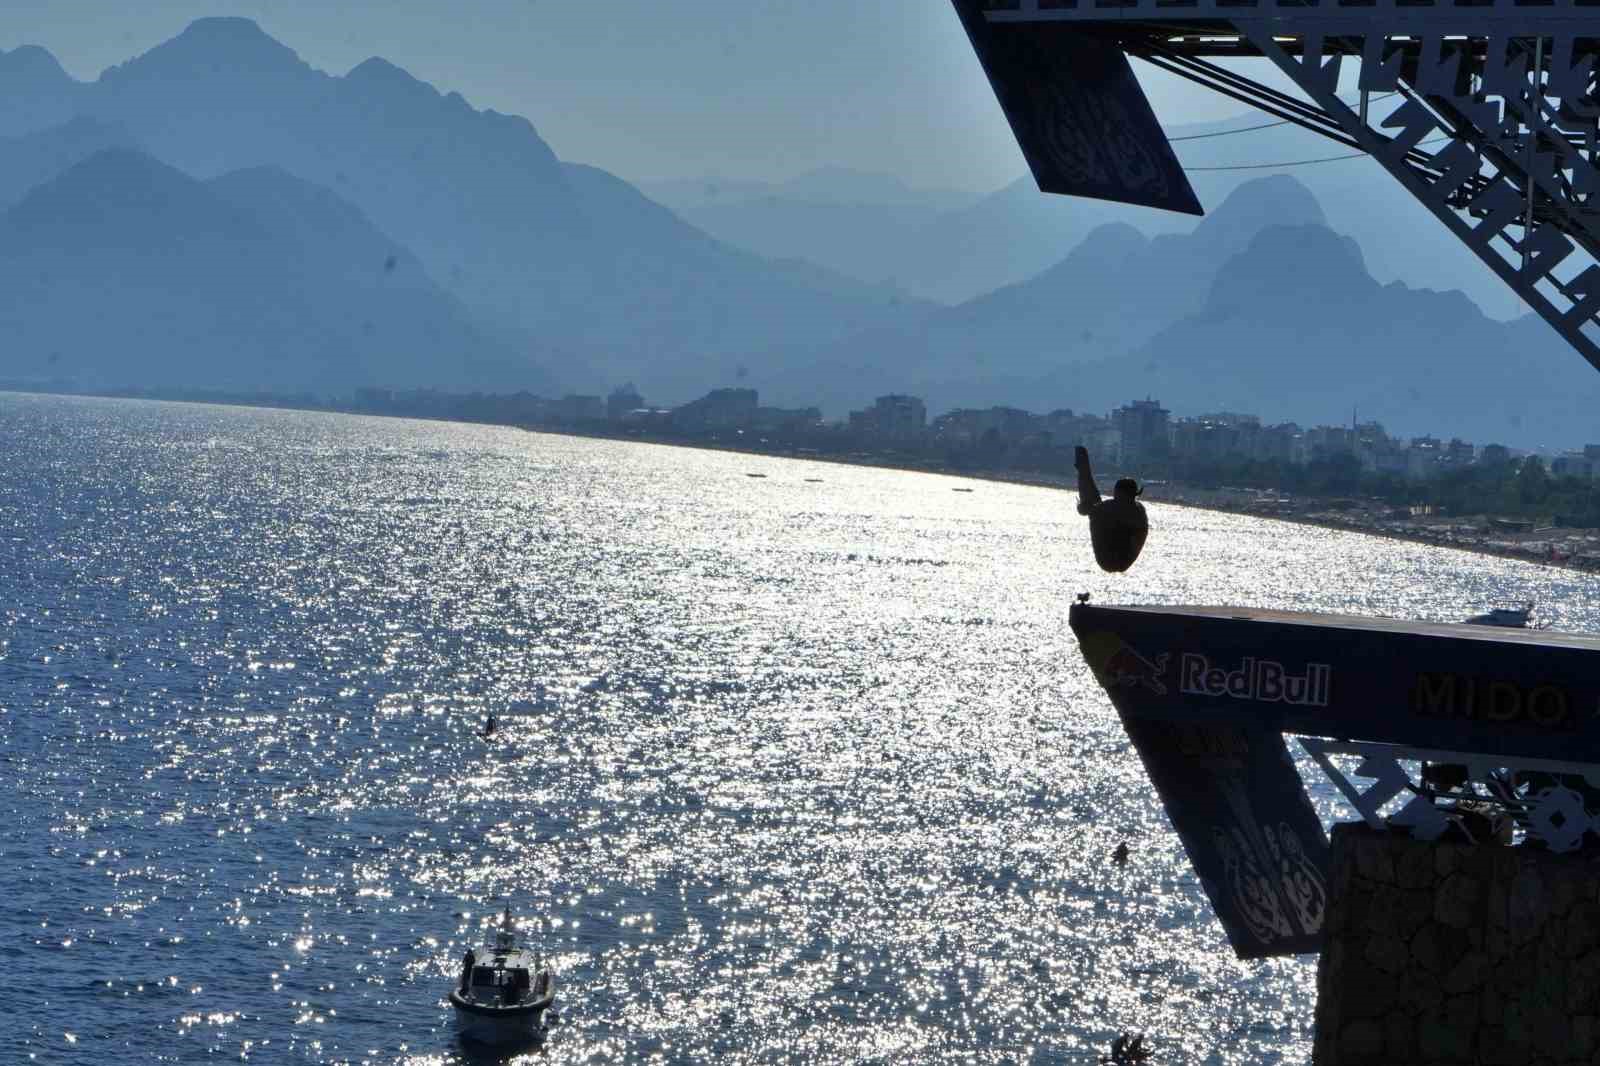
(1262, 680)
(1127, 668)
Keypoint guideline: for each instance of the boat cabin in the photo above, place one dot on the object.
(503, 978)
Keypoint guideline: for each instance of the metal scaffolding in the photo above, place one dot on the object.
(1485, 110)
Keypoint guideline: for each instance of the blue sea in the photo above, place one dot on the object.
(798, 768)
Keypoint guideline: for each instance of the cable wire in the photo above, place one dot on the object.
(1224, 133)
(1248, 129)
(1300, 162)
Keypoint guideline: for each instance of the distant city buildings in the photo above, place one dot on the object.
(986, 426)
(623, 402)
(574, 407)
(1144, 426)
(1584, 464)
(787, 419)
(1495, 455)
(717, 409)
(896, 418)
(740, 409)
(1140, 438)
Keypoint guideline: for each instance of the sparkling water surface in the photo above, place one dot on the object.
(789, 770)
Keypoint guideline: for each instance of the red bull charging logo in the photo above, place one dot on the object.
(1127, 668)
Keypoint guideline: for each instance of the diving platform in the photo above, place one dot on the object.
(1485, 111)
(1471, 753)
(1209, 696)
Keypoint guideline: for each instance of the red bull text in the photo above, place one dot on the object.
(1262, 680)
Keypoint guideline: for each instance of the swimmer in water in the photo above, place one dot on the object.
(1118, 526)
(488, 728)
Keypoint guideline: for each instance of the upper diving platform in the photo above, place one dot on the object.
(1525, 14)
(1486, 111)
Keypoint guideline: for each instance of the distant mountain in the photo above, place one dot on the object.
(696, 311)
(1007, 237)
(32, 159)
(1116, 290)
(831, 185)
(35, 93)
(1242, 314)
(567, 257)
(1401, 239)
(856, 224)
(125, 271)
(1295, 328)
(955, 253)
(492, 247)
(862, 241)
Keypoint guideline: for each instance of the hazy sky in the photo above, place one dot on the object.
(649, 88)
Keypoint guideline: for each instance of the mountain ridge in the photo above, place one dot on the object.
(110, 273)
(533, 246)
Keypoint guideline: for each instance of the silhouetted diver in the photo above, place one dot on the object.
(488, 728)
(1118, 526)
(1126, 1051)
(1120, 856)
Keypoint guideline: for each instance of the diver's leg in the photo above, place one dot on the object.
(1088, 492)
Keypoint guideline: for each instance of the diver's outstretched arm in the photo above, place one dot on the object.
(1088, 492)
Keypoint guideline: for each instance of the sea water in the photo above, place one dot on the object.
(800, 768)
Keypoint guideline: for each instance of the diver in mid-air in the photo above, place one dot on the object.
(1118, 526)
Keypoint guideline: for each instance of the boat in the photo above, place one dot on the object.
(503, 991)
(960, 490)
(755, 475)
(1508, 617)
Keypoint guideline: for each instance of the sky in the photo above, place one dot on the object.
(650, 89)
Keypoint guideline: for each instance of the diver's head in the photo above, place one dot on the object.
(1126, 489)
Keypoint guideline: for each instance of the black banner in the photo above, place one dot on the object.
(1240, 808)
(1078, 113)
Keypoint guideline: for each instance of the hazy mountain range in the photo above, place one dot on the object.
(1261, 308)
(569, 263)
(123, 269)
(950, 248)
(217, 213)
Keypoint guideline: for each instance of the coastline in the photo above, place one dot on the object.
(1316, 511)
(1559, 548)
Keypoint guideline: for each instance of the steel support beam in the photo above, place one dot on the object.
(1486, 112)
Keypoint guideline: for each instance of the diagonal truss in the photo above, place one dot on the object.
(1538, 795)
(1485, 110)
(1495, 165)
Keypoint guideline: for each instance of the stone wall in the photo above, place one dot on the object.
(1458, 955)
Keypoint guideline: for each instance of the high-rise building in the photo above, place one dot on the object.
(717, 409)
(622, 401)
(892, 417)
(1143, 425)
(1494, 455)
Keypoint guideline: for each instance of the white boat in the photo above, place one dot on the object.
(503, 991)
(1508, 617)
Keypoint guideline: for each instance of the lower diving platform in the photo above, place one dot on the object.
(1459, 729)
